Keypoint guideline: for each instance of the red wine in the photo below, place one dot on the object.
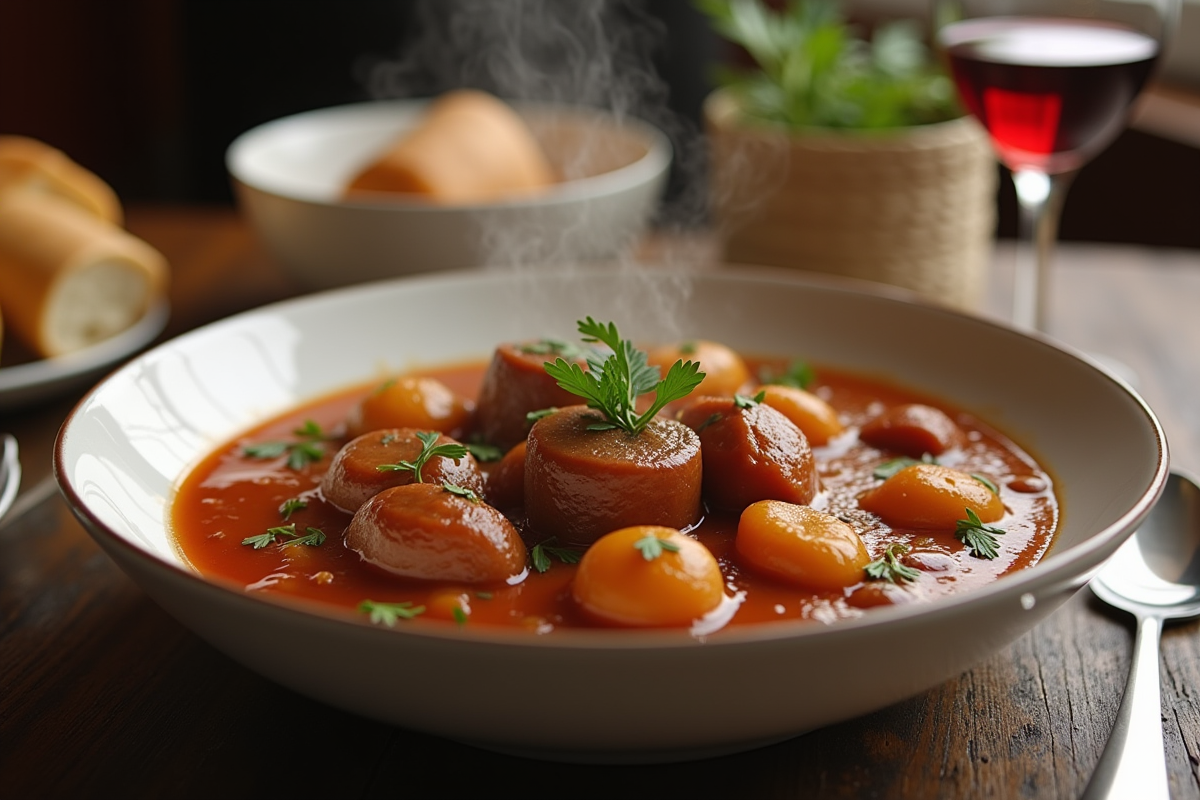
(1051, 92)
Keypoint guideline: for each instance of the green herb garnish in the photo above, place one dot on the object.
(389, 613)
(814, 69)
(980, 539)
(798, 375)
(889, 468)
(312, 537)
(462, 491)
(741, 401)
(307, 449)
(291, 506)
(612, 386)
(534, 416)
(460, 616)
(888, 566)
(542, 552)
(986, 481)
(553, 347)
(484, 452)
(652, 547)
(429, 449)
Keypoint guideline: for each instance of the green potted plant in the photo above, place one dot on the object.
(842, 154)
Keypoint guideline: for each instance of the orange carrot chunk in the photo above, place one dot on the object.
(412, 402)
(809, 413)
(801, 545)
(932, 497)
(648, 576)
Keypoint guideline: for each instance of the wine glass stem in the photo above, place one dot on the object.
(1039, 198)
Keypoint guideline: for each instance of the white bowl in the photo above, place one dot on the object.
(584, 694)
(289, 175)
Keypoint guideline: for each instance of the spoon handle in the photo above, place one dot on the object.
(1134, 762)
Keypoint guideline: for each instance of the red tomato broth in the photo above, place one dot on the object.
(229, 497)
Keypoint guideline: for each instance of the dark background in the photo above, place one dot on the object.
(149, 93)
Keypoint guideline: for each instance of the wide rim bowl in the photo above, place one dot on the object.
(124, 449)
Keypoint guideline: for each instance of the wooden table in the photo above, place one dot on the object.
(102, 694)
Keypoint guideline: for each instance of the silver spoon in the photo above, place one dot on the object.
(1155, 576)
(10, 472)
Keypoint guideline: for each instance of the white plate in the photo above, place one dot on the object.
(24, 384)
(604, 694)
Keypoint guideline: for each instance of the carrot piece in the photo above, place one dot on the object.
(809, 413)
(619, 584)
(801, 545)
(931, 496)
(412, 402)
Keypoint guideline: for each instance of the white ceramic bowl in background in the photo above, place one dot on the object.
(584, 694)
(289, 175)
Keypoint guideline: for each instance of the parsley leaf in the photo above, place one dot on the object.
(888, 567)
(889, 468)
(986, 481)
(542, 552)
(612, 386)
(460, 616)
(291, 506)
(553, 347)
(313, 537)
(429, 449)
(798, 375)
(980, 539)
(652, 547)
(484, 452)
(389, 613)
(534, 416)
(261, 540)
(307, 449)
(741, 401)
(462, 491)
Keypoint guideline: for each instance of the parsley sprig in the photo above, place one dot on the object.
(652, 547)
(312, 537)
(429, 449)
(798, 375)
(889, 468)
(980, 539)
(543, 552)
(743, 402)
(462, 491)
(390, 613)
(307, 448)
(889, 568)
(612, 386)
(553, 347)
(291, 506)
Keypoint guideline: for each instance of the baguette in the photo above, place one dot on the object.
(68, 278)
(469, 147)
(27, 165)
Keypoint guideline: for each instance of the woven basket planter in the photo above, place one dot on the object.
(914, 208)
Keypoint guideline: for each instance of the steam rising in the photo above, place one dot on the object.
(594, 53)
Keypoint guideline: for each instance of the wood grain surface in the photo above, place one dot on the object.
(102, 694)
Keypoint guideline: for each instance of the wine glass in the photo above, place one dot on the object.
(1052, 81)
